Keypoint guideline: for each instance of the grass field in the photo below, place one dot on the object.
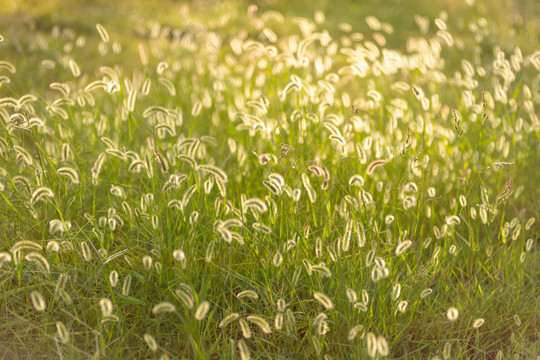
(219, 180)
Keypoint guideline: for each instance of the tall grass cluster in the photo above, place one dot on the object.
(255, 184)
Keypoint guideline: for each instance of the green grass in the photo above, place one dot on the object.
(229, 169)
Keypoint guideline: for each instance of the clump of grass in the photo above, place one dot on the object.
(257, 184)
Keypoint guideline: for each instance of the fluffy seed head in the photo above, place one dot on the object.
(278, 321)
(452, 313)
(202, 310)
(278, 259)
(113, 278)
(179, 256)
(150, 342)
(351, 295)
(26, 244)
(382, 346)
(322, 269)
(248, 294)
(403, 246)
(37, 301)
(86, 253)
(63, 334)
(126, 285)
(229, 319)
(243, 350)
(374, 165)
(447, 350)
(353, 333)
(147, 262)
(66, 298)
(5, 257)
(281, 305)
(361, 306)
(41, 193)
(163, 307)
(365, 296)
(186, 297)
(477, 323)
(323, 300)
(260, 322)
(425, 293)
(529, 223)
(371, 342)
(106, 306)
(402, 306)
(39, 260)
(69, 173)
(102, 33)
(322, 327)
(312, 194)
(246, 330)
(517, 320)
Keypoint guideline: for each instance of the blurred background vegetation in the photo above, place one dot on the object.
(518, 23)
(519, 16)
